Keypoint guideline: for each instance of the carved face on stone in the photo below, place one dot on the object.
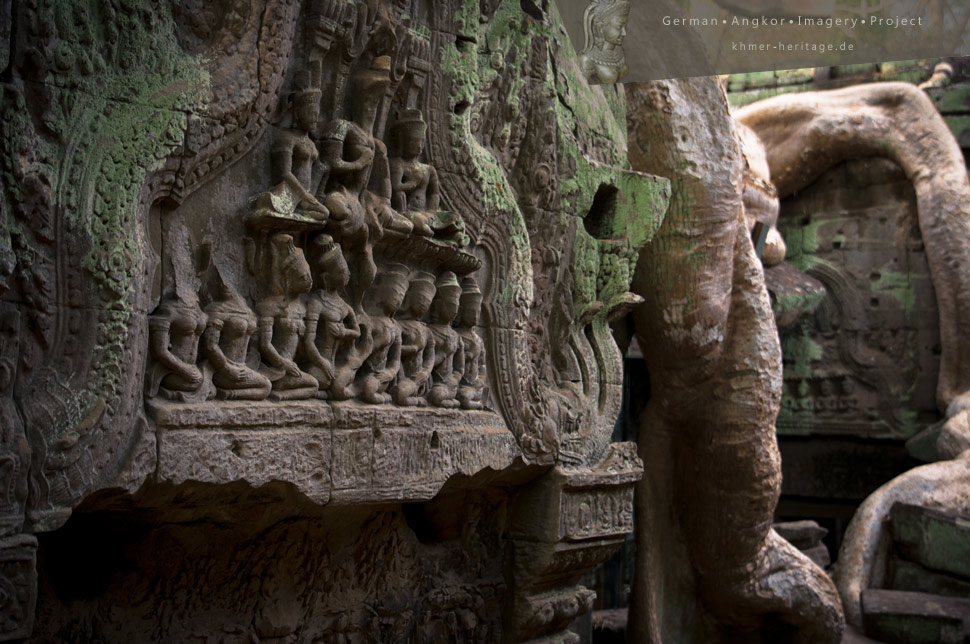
(332, 271)
(607, 22)
(394, 288)
(387, 294)
(420, 296)
(445, 306)
(470, 308)
(614, 29)
(411, 138)
(296, 274)
(306, 109)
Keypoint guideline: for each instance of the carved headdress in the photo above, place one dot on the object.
(599, 12)
(180, 279)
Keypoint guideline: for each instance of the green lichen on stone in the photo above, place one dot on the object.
(120, 90)
(806, 301)
(954, 99)
(800, 351)
(802, 243)
(899, 286)
(470, 74)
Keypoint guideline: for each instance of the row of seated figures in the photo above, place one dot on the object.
(413, 342)
(346, 317)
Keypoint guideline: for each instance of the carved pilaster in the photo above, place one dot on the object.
(563, 526)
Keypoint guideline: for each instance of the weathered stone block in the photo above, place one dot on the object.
(257, 457)
(937, 540)
(910, 576)
(898, 617)
(801, 534)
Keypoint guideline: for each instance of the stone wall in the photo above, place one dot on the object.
(306, 321)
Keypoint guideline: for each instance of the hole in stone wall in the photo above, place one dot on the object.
(530, 7)
(461, 107)
(599, 220)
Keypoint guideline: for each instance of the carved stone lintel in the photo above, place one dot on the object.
(18, 587)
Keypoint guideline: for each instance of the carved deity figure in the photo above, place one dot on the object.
(177, 324)
(417, 343)
(382, 365)
(295, 162)
(331, 325)
(448, 350)
(473, 373)
(281, 321)
(414, 184)
(225, 343)
(604, 26)
(358, 185)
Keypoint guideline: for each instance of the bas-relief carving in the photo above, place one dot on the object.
(343, 222)
(334, 331)
(604, 27)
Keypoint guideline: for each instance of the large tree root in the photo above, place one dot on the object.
(709, 568)
(805, 135)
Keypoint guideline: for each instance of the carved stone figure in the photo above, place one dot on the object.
(295, 163)
(473, 348)
(382, 365)
(177, 324)
(414, 184)
(331, 325)
(282, 326)
(448, 350)
(417, 343)
(225, 344)
(357, 171)
(604, 27)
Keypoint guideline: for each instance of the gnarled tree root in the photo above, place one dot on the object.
(805, 135)
(709, 568)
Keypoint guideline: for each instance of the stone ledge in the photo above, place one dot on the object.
(345, 453)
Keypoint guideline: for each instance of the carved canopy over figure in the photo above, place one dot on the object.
(604, 27)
